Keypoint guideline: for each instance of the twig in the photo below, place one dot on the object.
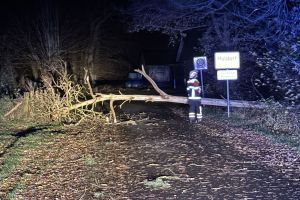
(76, 124)
(123, 103)
(87, 81)
(111, 105)
(13, 109)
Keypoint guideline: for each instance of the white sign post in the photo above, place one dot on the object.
(226, 63)
(200, 63)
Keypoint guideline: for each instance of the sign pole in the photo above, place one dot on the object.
(200, 63)
(202, 87)
(228, 103)
(226, 64)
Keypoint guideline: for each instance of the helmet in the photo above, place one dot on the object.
(193, 74)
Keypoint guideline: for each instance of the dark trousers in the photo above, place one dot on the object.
(195, 110)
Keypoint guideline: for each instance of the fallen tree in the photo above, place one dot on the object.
(69, 107)
(169, 99)
(162, 97)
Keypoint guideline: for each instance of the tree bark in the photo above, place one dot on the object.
(170, 99)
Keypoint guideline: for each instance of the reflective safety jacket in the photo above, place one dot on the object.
(193, 89)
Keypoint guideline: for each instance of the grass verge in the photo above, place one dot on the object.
(277, 122)
(15, 160)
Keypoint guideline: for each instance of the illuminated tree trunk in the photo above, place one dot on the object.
(95, 27)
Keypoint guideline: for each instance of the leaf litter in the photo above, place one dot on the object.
(160, 156)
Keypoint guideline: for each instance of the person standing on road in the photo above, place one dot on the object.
(194, 98)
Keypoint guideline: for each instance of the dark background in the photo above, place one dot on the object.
(112, 38)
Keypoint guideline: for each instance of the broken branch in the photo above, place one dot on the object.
(13, 109)
(152, 82)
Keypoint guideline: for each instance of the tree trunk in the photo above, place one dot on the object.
(91, 55)
(181, 44)
(169, 99)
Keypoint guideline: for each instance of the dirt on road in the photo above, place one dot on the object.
(153, 154)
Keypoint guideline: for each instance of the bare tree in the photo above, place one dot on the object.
(95, 26)
(42, 39)
(8, 83)
(44, 42)
(230, 21)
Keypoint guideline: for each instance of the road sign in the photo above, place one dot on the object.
(227, 60)
(200, 63)
(227, 75)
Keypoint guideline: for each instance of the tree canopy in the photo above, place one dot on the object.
(241, 20)
(255, 28)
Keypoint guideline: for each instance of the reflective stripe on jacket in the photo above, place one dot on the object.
(193, 89)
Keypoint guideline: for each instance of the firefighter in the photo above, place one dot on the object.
(194, 98)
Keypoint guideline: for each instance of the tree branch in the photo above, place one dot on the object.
(160, 92)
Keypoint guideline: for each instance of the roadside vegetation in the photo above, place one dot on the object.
(279, 122)
(19, 133)
(15, 161)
